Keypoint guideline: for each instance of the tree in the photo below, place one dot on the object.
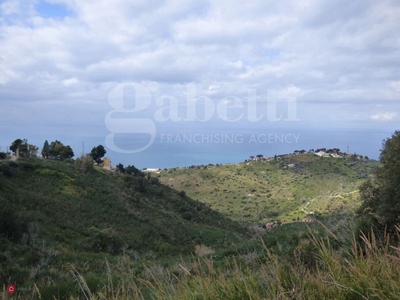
(15, 146)
(66, 152)
(121, 168)
(251, 157)
(23, 148)
(132, 170)
(45, 150)
(259, 156)
(97, 153)
(381, 196)
(58, 150)
(84, 163)
(32, 150)
(55, 148)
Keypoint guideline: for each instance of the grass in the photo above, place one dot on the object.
(365, 268)
(260, 191)
(52, 215)
(69, 235)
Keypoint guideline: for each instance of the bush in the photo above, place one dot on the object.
(7, 170)
(105, 240)
(84, 164)
(11, 225)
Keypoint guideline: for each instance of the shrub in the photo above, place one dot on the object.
(84, 163)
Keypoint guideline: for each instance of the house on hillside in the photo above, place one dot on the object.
(321, 154)
(107, 164)
(152, 170)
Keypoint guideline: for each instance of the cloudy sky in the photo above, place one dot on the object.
(338, 61)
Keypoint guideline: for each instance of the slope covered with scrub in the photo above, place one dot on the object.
(284, 189)
(52, 214)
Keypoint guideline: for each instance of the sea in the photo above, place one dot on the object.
(197, 147)
(184, 146)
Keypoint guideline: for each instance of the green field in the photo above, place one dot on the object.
(285, 190)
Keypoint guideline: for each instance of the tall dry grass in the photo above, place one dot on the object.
(366, 269)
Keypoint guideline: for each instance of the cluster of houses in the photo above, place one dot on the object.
(322, 152)
(260, 157)
(335, 153)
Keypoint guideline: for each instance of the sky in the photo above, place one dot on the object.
(141, 76)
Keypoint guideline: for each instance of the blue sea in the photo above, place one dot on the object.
(196, 147)
(201, 145)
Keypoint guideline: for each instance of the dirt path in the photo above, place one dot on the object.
(345, 194)
(330, 197)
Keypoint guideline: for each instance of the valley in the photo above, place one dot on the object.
(73, 232)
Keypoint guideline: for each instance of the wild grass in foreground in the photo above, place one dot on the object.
(366, 269)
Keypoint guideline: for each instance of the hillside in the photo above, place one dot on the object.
(286, 189)
(65, 234)
(51, 214)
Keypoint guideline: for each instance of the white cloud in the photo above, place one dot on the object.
(330, 54)
(212, 88)
(291, 91)
(395, 85)
(70, 82)
(389, 116)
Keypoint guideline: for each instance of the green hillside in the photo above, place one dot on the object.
(284, 189)
(69, 234)
(52, 214)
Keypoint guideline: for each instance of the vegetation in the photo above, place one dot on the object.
(285, 189)
(98, 153)
(84, 164)
(380, 195)
(321, 268)
(23, 148)
(57, 150)
(55, 214)
(71, 230)
(355, 273)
